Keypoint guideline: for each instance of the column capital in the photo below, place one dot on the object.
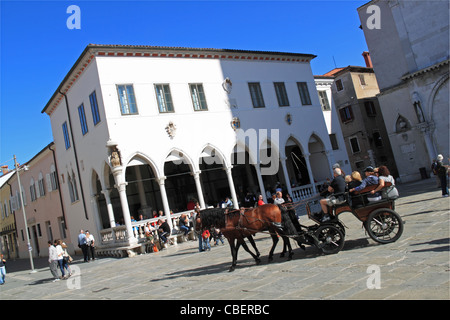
(161, 180)
(121, 186)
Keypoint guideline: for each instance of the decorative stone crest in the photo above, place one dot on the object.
(288, 119)
(235, 123)
(227, 85)
(171, 129)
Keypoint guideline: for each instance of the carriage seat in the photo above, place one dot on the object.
(366, 191)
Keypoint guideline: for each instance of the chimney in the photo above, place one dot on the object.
(4, 169)
(367, 59)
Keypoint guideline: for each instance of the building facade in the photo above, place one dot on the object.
(139, 129)
(8, 236)
(324, 85)
(43, 205)
(354, 93)
(409, 45)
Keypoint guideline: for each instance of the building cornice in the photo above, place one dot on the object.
(95, 50)
(425, 70)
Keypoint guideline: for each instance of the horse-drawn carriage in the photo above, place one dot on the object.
(380, 220)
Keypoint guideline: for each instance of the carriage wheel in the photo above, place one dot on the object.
(384, 225)
(329, 239)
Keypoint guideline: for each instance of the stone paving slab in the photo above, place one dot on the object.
(414, 267)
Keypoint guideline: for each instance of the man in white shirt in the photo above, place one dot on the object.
(53, 260)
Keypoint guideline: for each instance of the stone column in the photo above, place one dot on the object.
(121, 187)
(109, 207)
(232, 189)
(198, 185)
(261, 182)
(165, 201)
(286, 175)
(308, 166)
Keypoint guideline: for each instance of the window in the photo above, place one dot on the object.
(66, 135)
(304, 93)
(377, 139)
(84, 128)
(333, 140)
(324, 100)
(282, 97)
(370, 108)
(72, 188)
(361, 79)
(32, 190)
(127, 99)
(198, 97)
(339, 85)
(41, 185)
(164, 98)
(94, 108)
(354, 144)
(346, 114)
(256, 95)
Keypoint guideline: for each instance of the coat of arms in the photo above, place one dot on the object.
(171, 129)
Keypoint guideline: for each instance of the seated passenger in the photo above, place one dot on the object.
(355, 181)
(384, 175)
(336, 188)
(371, 179)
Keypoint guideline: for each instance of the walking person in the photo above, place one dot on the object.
(60, 256)
(83, 245)
(66, 259)
(90, 242)
(2, 270)
(53, 261)
(442, 172)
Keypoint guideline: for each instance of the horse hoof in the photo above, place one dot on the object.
(281, 255)
(290, 257)
(258, 261)
(231, 269)
(270, 259)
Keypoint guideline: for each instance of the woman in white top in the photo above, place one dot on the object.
(91, 245)
(383, 177)
(60, 255)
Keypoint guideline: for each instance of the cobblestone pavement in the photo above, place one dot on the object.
(414, 267)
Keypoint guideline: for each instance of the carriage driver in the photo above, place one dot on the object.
(336, 187)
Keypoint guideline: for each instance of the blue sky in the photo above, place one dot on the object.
(37, 49)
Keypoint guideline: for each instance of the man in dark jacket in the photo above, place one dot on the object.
(163, 230)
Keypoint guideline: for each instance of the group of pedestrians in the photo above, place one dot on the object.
(58, 257)
(86, 243)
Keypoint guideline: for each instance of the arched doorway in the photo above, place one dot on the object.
(214, 179)
(296, 164)
(180, 183)
(318, 160)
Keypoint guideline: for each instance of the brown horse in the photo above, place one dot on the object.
(236, 225)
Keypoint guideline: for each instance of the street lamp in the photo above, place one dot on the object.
(23, 211)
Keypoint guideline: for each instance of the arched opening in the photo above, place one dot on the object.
(244, 173)
(296, 164)
(180, 183)
(143, 193)
(318, 159)
(214, 179)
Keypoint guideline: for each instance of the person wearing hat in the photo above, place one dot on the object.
(370, 179)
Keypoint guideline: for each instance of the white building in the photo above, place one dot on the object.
(324, 89)
(409, 46)
(140, 128)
